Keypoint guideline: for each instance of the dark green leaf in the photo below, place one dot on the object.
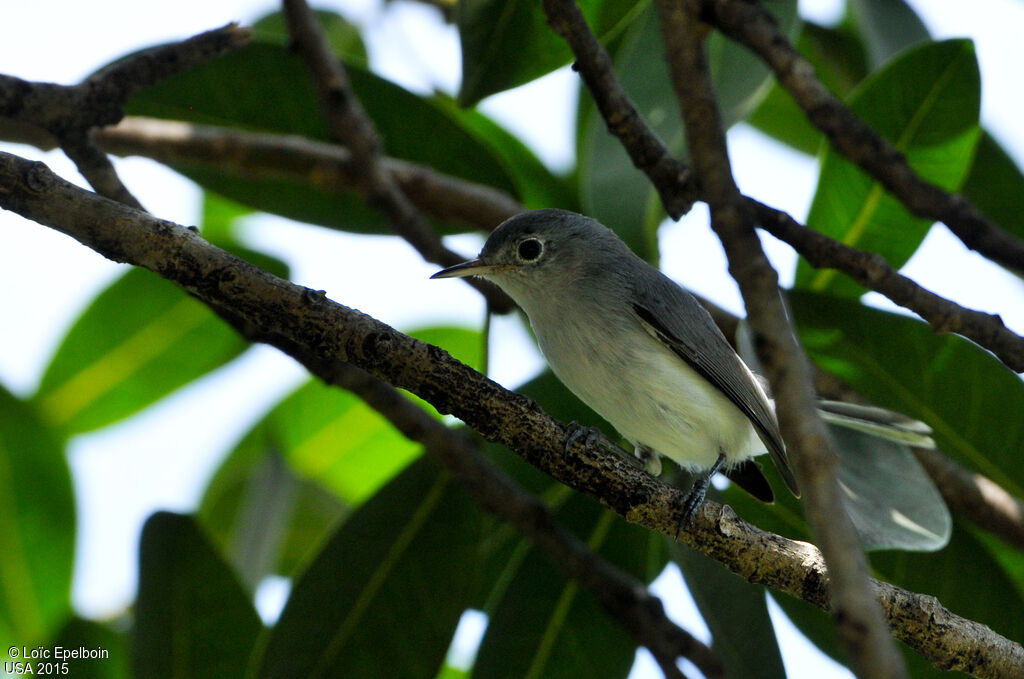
(968, 397)
(995, 185)
(139, 340)
(385, 593)
(342, 36)
(544, 625)
(267, 87)
(79, 633)
(37, 527)
(612, 190)
(737, 615)
(888, 27)
(192, 617)
(926, 104)
(506, 43)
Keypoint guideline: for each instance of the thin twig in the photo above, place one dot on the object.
(328, 167)
(873, 272)
(671, 177)
(860, 625)
(303, 325)
(349, 124)
(752, 25)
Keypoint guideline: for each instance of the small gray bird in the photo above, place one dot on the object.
(635, 347)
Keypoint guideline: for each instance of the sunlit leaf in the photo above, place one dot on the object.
(926, 104)
(139, 340)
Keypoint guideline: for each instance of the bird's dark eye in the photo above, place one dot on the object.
(530, 249)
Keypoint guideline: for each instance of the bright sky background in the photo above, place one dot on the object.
(161, 458)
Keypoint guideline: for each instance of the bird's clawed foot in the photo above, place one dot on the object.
(695, 497)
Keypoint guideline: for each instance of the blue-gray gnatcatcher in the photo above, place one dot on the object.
(634, 346)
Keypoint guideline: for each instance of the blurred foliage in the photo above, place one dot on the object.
(383, 550)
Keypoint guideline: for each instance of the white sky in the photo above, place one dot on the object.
(161, 458)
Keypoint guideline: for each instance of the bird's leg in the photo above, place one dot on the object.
(590, 435)
(695, 498)
(649, 457)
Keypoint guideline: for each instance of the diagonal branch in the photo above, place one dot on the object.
(310, 326)
(349, 124)
(858, 618)
(750, 24)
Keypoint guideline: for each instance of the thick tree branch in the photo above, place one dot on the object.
(858, 618)
(349, 124)
(752, 25)
(289, 316)
(976, 497)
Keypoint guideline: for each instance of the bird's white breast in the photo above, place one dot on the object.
(649, 394)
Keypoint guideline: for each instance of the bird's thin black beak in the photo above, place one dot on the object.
(474, 267)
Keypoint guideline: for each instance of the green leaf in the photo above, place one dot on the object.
(219, 217)
(37, 526)
(388, 588)
(970, 399)
(737, 615)
(888, 27)
(926, 104)
(545, 625)
(506, 43)
(995, 185)
(139, 340)
(612, 190)
(234, 91)
(79, 633)
(192, 617)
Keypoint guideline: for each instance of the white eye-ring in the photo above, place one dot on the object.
(529, 249)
